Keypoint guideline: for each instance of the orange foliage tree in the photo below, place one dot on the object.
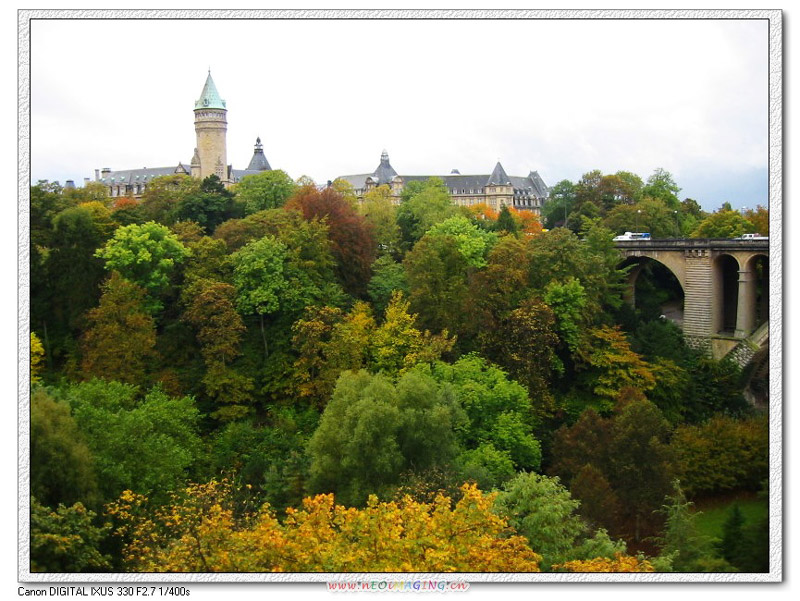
(200, 531)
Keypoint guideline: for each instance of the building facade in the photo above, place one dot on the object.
(210, 153)
(494, 189)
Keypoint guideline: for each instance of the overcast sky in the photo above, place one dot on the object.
(561, 97)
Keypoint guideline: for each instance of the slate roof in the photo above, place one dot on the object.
(142, 176)
(259, 161)
(530, 185)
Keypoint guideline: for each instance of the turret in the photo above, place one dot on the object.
(211, 126)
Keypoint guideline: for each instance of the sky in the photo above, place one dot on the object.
(561, 97)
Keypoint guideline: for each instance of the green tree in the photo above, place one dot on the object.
(61, 465)
(266, 190)
(559, 204)
(682, 541)
(472, 242)
(506, 222)
(436, 272)
(144, 254)
(66, 540)
(723, 224)
(388, 276)
(641, 462)
(146, 445)
(498, 409)
(372, 431)
(424, 205)
(661, 185)
(209, 206)
(543, 511)
(259, 275)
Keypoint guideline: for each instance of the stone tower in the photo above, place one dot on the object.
(211, 126)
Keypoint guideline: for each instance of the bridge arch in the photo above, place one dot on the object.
(656, 279)
(725, 296)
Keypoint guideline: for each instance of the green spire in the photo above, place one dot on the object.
(209, 98)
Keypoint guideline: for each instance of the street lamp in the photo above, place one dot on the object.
(677, 225)
(638, 212)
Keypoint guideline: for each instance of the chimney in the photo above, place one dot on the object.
(105, 172)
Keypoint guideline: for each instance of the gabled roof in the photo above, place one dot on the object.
(209, 97)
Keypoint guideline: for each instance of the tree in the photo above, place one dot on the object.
(721, 454)
(506, 222)
(681, 539)
(557, 207)
(209, 206)
(66, 540)
(144, 254)
(424, 205)
(381, 214)
(146, 445)
(640, 462)
(372, 431)
(36, 354)
(200, 532)
(265, 190)
(523, 343)
(620, 563)
(398, 345)
(498, 410)
(163, 194)
(661, 185)
(259, 275)
(61, 465)
(119, 343)
(723, 224)
(543, 511)
(219, 330)
(436, 272)
(609, 365)
(759, 217)
(472, 242)
(352, 238)
(387, 277)
(74, 272)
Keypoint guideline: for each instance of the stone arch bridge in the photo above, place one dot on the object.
(725, 285)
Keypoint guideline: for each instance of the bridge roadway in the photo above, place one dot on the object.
(725, 284)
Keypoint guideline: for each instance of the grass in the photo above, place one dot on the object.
(714, 512)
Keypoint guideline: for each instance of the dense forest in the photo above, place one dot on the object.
(275, 376)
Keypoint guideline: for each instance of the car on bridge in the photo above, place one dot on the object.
(632, 236)
(755, 236)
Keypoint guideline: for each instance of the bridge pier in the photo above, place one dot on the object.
(746, 307)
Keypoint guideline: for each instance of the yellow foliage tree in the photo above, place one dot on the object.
(200, 532)
(620, 563)
(37, 354)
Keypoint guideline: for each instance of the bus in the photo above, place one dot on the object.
(632, 236)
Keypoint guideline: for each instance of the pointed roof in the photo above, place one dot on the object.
(209, 97)
(498, 176)
(385, 172)
(259, 161)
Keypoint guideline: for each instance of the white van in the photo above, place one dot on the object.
(753, 237)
